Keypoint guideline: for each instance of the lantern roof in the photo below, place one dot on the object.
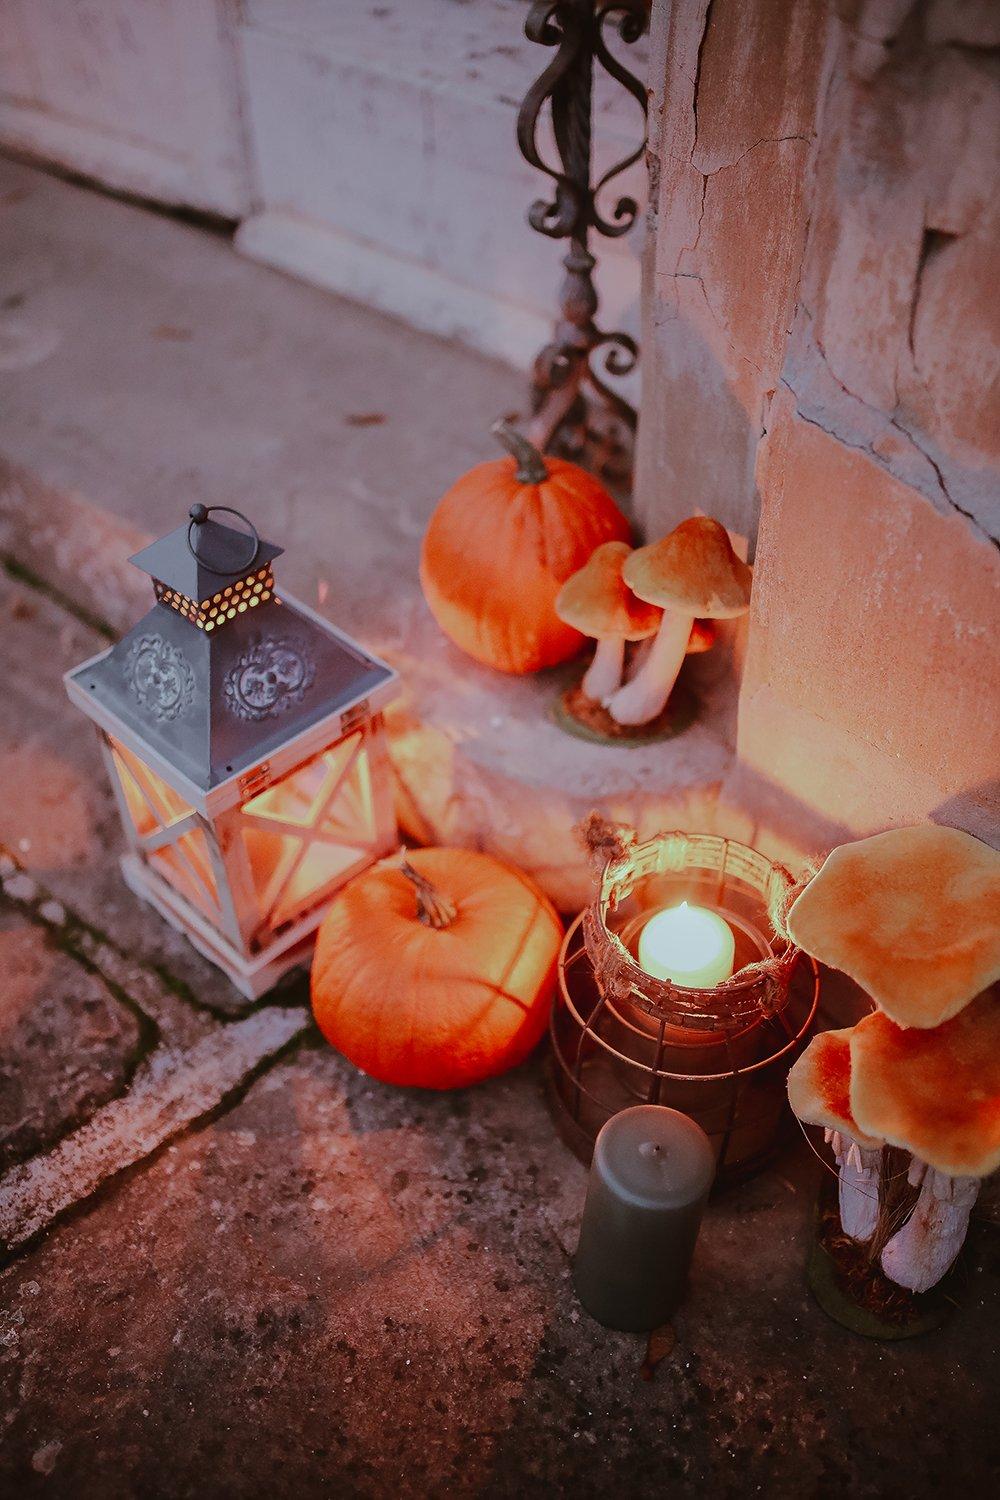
(204, 556)
(214, 691)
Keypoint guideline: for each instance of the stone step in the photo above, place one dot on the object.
(148, 366)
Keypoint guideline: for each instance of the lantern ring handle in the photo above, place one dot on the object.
(199, 515)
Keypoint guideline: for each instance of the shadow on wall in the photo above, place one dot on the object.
(759, 811)
(977, 810)
(698, 449)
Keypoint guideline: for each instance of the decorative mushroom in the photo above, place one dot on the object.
(928, 1243)
(913, 915)
(936, 1093)
(597, 601)
(691, 573)
(819, 1091)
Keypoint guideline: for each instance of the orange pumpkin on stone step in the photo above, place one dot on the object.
(436, 971)
(501, 544)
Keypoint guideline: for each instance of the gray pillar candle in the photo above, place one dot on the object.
(649, 1180)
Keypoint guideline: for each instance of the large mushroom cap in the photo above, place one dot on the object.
(597, 601)
(694, 571)
(913, 915)
(934, 1092)
(819, 1086)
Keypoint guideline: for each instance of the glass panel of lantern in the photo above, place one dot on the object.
(244, 739)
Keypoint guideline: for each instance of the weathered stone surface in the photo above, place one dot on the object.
(352, 142)
(821, 336)
(729, 221)
(66, 1043)
(896, 291)
(878, 703)
(478, 760)
(223, 382)
(172, 1087)
(337, 1288)
(850, 203)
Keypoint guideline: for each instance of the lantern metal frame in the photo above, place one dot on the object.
(620, 1037)
(242, 857)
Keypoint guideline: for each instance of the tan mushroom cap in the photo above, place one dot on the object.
(694, 571)
(934, 1092)
(597, 601)
(913, 915)
(819, 1086)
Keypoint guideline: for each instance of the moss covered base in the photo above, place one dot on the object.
(851, 1289)
(581, 716)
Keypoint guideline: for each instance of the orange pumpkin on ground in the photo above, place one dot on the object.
(501, 544)
(436, 971)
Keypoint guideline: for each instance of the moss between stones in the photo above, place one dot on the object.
(20, 573)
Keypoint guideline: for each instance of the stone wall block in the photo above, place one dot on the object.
(872, 680)
(730, 215)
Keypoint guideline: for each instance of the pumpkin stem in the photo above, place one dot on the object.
(531, 466)
(433, 909)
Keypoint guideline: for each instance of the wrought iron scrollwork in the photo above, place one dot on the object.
(575, 410)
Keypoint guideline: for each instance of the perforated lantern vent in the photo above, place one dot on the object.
(211, 613)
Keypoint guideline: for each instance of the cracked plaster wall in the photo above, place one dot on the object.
(821, 328)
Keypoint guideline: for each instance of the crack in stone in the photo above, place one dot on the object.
(815, 422)
(932, 243)
(868, 449)
(694, 276)
(766, 140)
(690, 249)
(175, 1090)
(22, 893)
(20, 573)
(697, 69)
(906, 431)
(892, 419)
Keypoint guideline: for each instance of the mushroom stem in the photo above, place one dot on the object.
(645, 696)
(531, 466)
(605, 671)
(859, 1191)
(928, 1243)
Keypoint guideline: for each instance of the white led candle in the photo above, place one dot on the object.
(689, 945)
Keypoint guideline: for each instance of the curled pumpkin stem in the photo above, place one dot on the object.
(531, 466)
(433, 909)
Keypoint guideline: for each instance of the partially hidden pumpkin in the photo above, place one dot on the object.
(436, 971)
(501, 544)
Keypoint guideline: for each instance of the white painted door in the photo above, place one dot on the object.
(387, 169)
(365, 146)
(142, 95)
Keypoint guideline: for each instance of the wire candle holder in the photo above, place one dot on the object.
(719, 1054)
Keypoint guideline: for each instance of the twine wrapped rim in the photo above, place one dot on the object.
(759, 989)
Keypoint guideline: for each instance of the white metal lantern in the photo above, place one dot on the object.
(244, 738)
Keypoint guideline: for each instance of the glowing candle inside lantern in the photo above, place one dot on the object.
(689, 945)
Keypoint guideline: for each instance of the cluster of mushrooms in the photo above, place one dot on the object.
(669, 593)
(913, 916)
